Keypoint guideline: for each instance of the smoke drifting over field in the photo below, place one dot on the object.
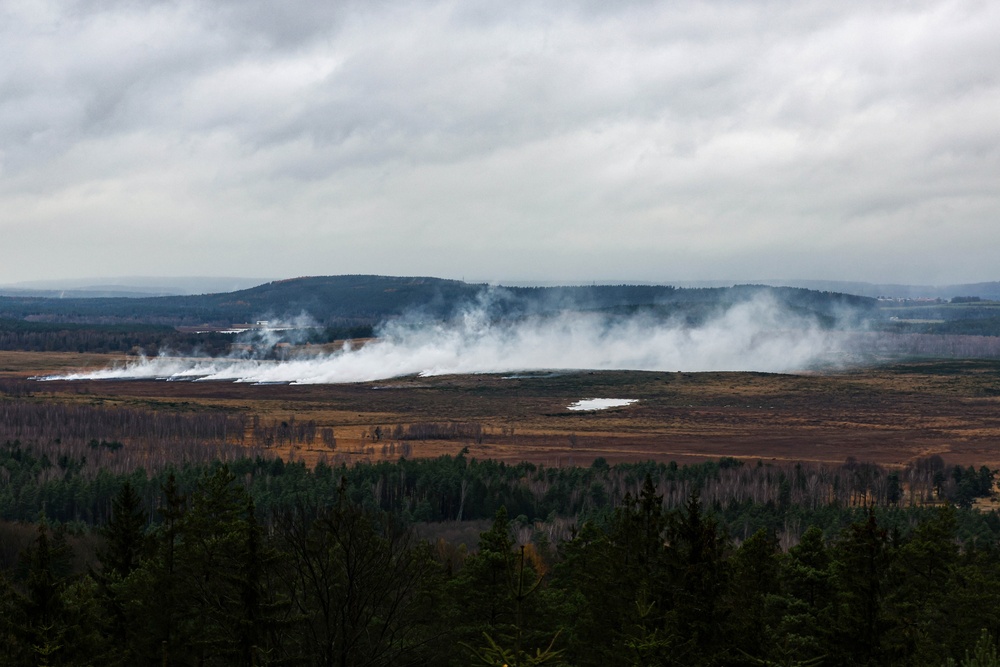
(755, 335)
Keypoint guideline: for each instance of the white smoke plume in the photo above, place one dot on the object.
(756, 335)
(261, 341)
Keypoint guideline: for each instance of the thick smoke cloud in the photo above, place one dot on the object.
(756, 335)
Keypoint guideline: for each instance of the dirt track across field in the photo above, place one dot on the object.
(889, 415)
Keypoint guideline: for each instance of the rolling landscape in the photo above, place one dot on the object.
(451, 334)
(426, 402)
(882, 384)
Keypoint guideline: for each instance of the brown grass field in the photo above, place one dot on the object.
(888, 415)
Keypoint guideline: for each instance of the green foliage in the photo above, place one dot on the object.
(863, 558)
(357, 583)
(495, 656)
(984, 654)
(266, 562)
(126, 543)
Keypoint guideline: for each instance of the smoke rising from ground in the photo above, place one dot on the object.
(755, 335)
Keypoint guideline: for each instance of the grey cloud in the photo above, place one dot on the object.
(701, 131)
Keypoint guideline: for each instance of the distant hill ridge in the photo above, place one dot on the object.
(129, 286)
(348, 300)
(986, 290)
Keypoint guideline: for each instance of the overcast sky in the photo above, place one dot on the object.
(569, 141)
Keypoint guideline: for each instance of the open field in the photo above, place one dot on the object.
(888, 415)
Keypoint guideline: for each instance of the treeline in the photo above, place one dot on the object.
(467, 431)
(148, 339)
(289, 432)
(893, 344)
(73, 481)
(56, 456)
(51, 446)
(42, 422)
(202, 581)
(74, 422)
(961, 308)
(124, 338)
(965, 327)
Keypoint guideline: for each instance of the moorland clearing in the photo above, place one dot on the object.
(889, 415)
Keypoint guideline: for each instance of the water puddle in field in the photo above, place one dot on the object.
(601, 403)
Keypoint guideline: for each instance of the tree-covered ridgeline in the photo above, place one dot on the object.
(206, 581)
(74, 479)
(344, 301)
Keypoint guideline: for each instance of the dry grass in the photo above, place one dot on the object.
(888, 415)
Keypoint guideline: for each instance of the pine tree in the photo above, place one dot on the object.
(501, 587)
(753, 600)
(125, 537)
(483, 584)
(700, 579)
(809, 598)
(863, 556)
(125, 546)
(921, 604)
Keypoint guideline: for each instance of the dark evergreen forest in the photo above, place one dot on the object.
(134, 537)
(210, 579)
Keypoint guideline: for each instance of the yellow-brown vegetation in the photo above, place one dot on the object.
(888, 415)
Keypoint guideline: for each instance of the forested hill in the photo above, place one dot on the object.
(322, 297)
(366, 300)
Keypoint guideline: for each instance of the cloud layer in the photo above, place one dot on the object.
(635, 141)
